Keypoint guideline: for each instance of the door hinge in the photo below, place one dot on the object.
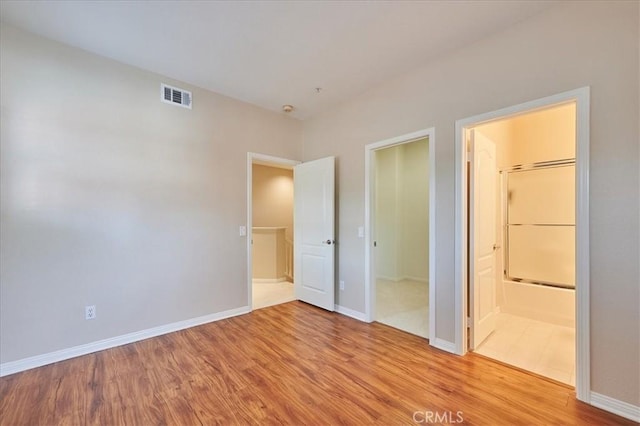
(468, 322)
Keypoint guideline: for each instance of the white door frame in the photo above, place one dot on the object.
(582, 99)
(369, 211)
(267, 160)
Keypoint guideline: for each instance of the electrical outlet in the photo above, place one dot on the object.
(90, 312)
(341, 285)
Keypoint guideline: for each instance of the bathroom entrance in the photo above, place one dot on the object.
(522, 240)
(465, 282)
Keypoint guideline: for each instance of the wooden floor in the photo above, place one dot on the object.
(287, 364)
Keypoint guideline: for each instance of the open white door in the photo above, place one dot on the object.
(482, 231)
(314, 240)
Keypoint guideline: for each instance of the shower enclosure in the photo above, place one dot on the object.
(539, 225)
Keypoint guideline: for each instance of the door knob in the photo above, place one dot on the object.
(329, 242)
(496, 246)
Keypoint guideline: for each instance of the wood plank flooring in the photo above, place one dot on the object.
(287, 364)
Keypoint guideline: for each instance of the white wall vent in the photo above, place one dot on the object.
(175, 96)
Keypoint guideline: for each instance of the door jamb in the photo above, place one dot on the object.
(581, 97)
(369, 208)
(252, 158)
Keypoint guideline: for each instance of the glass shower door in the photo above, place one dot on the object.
(540, 226)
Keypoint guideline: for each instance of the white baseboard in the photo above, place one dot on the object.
(12, 367)
(351, 313)
(621, 408)
(268, 280)
(444, 345)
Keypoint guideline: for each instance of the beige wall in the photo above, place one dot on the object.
(570, 46)
(111, 197)
(272, 197)
(387, 207)
(272, 202)
(268, 254)
(415, 210)
(544, 135)
(534, 137)
(402, 212)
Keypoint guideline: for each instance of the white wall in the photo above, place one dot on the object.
(110, 197)
(572, 45)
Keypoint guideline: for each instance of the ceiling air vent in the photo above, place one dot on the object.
(175, 96)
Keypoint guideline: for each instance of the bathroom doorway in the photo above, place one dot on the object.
(522, 240)
(271, 230)
(400, 230)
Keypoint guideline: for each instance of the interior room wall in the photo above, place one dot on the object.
(110, 197)
(272, 197)
(387, 233)
(545, 135)
(415, 210)
(402, 212)
(272, 203)
(563, 49)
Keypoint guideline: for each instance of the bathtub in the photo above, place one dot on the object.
(542, 303)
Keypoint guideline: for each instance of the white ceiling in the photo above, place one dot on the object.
(271, 53)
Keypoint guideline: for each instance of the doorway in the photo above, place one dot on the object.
(532, 231)
(399, 224)
(270, 230)
(310, 259)
(522, 241)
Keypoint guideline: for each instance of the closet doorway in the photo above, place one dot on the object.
(400, 229)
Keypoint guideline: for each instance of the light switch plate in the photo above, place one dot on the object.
(243, 230)
(360, 231)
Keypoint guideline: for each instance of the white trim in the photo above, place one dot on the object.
(51, 357)
(262, 159)
(581, 97)
(351, 313)
(369, 185)
(443, 345)
(583, 327)
(621, 408)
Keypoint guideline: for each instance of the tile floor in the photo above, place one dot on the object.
(403, 305)
(542, 348)
(269, 294)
